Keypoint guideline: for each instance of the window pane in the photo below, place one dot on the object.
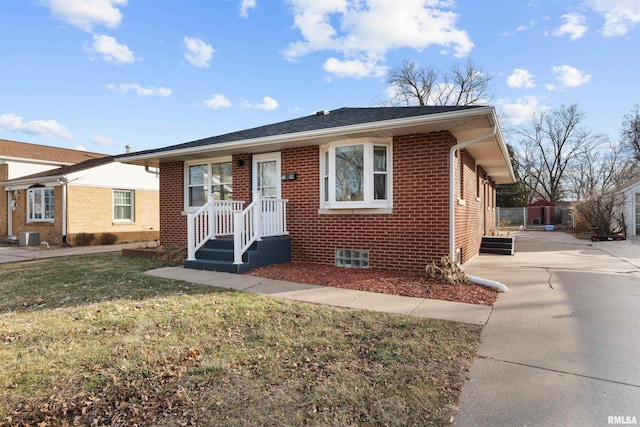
(379, 159)
(197, 196)
(196, 174)
(350, 173)
(380, 186)
(267, 178)
(48, 203)
(37, 204)
(221, 173)
(122, 212)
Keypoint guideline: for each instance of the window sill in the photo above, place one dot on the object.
(44, 221)
(461, 202)
(123, 222)
(356, 211)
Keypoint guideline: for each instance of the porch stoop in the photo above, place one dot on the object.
(217, 255)
(497, 245)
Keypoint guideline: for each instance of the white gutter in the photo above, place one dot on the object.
(452, 205)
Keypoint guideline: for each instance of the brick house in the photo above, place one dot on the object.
(96, 196)
(359, 187)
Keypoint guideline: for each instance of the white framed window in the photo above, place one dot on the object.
(202, 177)
(40, 204)
(356, 174)
(123, 205)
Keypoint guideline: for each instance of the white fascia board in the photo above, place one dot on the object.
(301, 136)
(35, 161)
(49, 181)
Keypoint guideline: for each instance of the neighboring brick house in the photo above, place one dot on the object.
(19, 159)
(365, 187)
(95, 196)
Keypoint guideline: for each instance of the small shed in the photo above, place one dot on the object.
(541, 212)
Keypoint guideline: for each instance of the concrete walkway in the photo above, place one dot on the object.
(419, 307)
(562, 347)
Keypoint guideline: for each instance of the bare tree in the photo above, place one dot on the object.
(594, 177)
(412, 84)
(550, 143)
(465, 84)
(631, 132)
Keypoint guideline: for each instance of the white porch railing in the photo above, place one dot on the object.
(262, 218)
(213, 219)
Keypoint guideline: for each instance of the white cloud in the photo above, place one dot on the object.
(570, 76)
(140, 90)
(216, 101)
(268, 104)
(103, 141)
(11, 122)
(520, 110)
(520, 78)
(531, 24)
(354, 68)
(620, 16)
(574, 26)
(81, 147)
(364, 30)
(85, 14)
(110, 50)
(245, 6)
(198, 52)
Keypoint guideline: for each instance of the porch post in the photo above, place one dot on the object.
(237, 237)
(256, 215)
(191, 238)
(212, 219)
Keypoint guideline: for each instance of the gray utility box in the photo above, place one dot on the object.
(29, 238)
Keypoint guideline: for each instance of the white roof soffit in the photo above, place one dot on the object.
(463, 124)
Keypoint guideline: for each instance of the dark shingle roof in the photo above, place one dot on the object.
(319, 121)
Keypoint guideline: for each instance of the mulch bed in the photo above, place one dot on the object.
(377, 280)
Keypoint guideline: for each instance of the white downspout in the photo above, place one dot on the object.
(452, 205)
(64, 212)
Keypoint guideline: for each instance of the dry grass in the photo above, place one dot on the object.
(93, 341)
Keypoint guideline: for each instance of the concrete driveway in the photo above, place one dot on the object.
(562, 347)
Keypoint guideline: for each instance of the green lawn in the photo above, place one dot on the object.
(93, 340)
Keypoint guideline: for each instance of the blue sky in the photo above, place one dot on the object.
(101, 74)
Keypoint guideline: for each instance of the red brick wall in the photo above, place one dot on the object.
(468, 215)
(416, 232)
(413, 235)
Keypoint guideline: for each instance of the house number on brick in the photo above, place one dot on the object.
(289, 176)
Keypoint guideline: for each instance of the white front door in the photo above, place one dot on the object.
(266, 175)
(266, 180)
